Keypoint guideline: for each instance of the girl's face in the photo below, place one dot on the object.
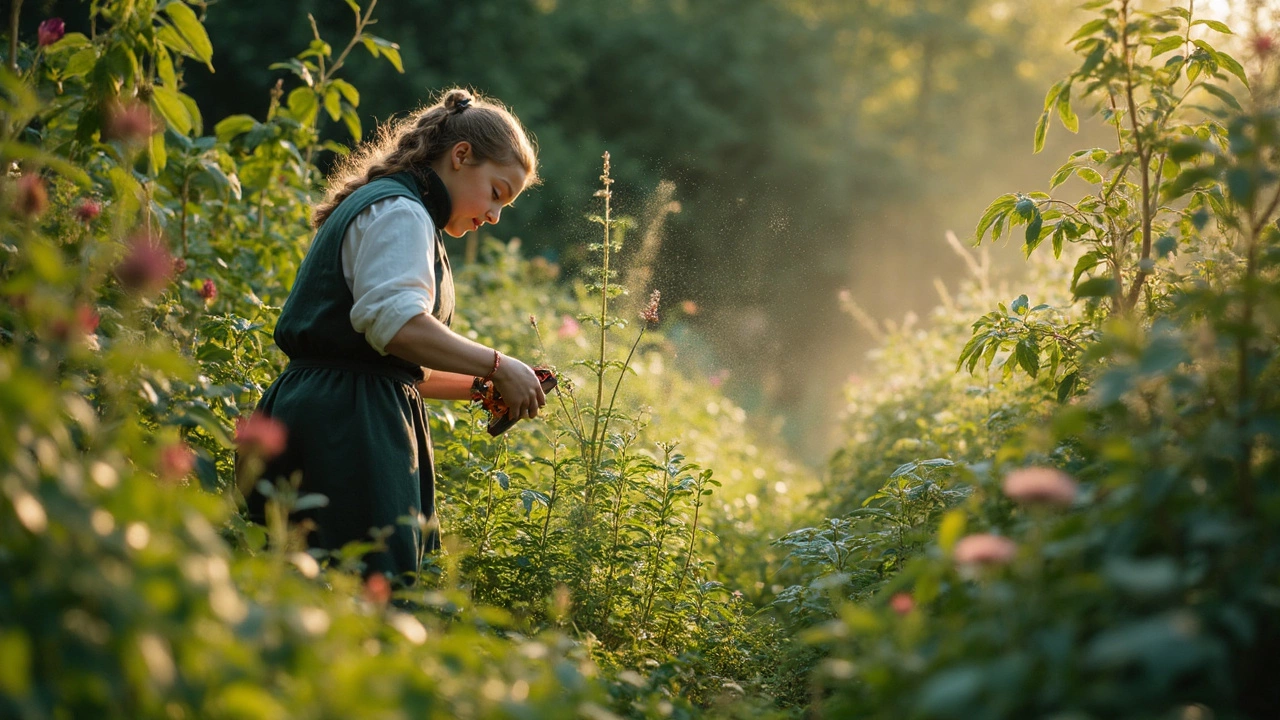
(478, 191)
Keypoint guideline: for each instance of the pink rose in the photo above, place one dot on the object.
(984, 549)
(50, 32)
(260, 435)
(1040, 486)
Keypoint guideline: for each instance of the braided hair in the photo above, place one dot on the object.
(415, 142)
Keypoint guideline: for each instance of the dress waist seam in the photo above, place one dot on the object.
(405, 376)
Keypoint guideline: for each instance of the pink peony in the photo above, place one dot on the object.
(984, 549)
(130, 123)
(147, 266)
(1040, 486)
(32, 199)
(208, 291)
(176, 462)
(902, 603)
(377, 589)
(569, 328)
(88, 210)
(261, 436)
(50, 32)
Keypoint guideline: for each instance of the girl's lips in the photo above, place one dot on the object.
(475, 224)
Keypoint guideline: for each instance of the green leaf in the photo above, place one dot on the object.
(164, 67)
(1166, 245)
(1089, 175)
(1095, 287)
(233, 126)
(1232, 66)
(352, 120)
(1090, 28)
(1042, 128)
(80, 63)
(1028, 356)
(1051, 97)
(390, 50)
(1214, 25)
(1020, 305)
(1067, 387)
(171, 108)
(349, 91)
(14, 150)
(1065, 113)
(297, 67)
(1087, 262)
(303, 105)
(1222, 95)
(1033, 229)
(188, 25)
(355, 8)
(333, 102)
(1164, 45)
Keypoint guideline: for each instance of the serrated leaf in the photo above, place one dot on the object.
(170, 107)
(1214, 25)
(188, 25)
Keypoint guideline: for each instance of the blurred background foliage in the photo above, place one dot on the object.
(814, 145)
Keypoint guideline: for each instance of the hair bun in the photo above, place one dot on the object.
(457, 100)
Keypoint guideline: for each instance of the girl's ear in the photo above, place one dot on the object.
(461, 155)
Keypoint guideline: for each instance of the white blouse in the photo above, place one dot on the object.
(389, 260)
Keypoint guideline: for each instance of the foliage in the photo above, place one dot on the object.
(143, 266)
(1150, 592)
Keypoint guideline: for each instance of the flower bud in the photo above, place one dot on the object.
(1040, 486)
(88, 210)
(32, 199)
(50, 32)
(902, 603)
(260, 436)
(130, 123)
(146, 267)
(208, 291)
(985, 549)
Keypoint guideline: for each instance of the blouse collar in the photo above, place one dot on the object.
(435, 196)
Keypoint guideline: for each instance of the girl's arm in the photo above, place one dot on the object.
(442, 385)
(427, 342)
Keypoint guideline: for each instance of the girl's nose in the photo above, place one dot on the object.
(492, 216)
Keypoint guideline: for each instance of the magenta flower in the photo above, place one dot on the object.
(147, 267)
(176, 462)
(88, 210)
(985, 549)
(50, 32)
(208, 291)
(260, 436)
(1040, 486)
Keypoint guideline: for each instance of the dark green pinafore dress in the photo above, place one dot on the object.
(357, 429)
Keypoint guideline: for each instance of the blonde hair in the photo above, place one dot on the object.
(415, 142)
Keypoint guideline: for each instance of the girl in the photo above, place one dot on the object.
(366, 325)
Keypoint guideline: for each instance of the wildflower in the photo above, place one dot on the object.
(902, 603)
(176, 462)
(50, 32)
(569, 328)
(32, 198)
(650, 312)
(1040, 486)
(131, 123)
(147, 266)
(984, 549)
(179, 265)
(260, 435)
(88, 210)
(377, 589)
(690, 307)
(533, 321)
(208, 291)
(1263, 45)
(718, 377)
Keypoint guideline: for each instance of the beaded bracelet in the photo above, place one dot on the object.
(497, 360)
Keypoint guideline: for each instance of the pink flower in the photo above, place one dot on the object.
(88, 210)
(32, 198)
(208, 291)
(260, 435)
(717, 378)
(569, 328)
(176, 462)
(650, 312)
(1263, 45)
(147, 266)
(1040, 486)
(902, 603)
(130, 123)
(984, 549)
(377, 589)
(689, 307)
(50, 32)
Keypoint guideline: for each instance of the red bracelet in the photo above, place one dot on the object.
(497, 360)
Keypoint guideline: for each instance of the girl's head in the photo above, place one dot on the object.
(478, 147)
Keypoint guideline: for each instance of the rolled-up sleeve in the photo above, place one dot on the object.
(388, 260)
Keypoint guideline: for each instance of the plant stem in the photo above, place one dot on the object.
(1143, 160)
(609, 413)
(13, 34)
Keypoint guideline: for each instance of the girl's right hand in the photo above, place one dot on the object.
(519, 387)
